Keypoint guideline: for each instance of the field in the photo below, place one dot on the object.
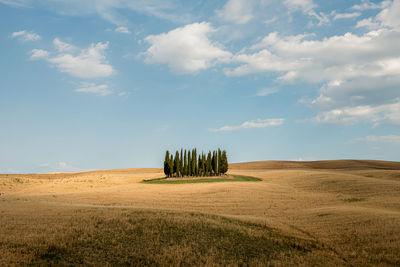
(327, 213)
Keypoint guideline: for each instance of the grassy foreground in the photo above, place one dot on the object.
(236, 178)
(121, 237)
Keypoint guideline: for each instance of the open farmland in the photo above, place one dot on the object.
(324, 213)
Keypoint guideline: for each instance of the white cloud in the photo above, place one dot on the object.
(237, 11)
(354, 114)
(346, 15)
(84, 63)
(62, 46)
(186, 49)
(26, 36)
(388, 17)
(251, 124)
(39, 54)
(390, 139)
(303, 5)
(360, 74)
(122, 29)
(111, 10)
(366, 5)
(266, 91)
(368, 23)
(307, 7)
(14, 3)
(123, 93)
(93, 88)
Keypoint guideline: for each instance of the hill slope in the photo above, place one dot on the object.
(321, 164)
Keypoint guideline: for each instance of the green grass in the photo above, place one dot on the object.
(236, 178)
(350, 200)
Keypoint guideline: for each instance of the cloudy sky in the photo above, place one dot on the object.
(114, 83)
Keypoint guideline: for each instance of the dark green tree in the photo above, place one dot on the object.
(189, 163)
(171, 165)
(224, 162)
(181, 163)
(176, 164)
(219, 161)
(167, 170)
(209, 167)
(185, 168)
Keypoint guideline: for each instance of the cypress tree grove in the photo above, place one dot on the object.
(189, 163)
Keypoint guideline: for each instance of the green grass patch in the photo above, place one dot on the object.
(353, 199)
(233, 178)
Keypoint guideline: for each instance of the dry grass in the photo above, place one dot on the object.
(351, 215)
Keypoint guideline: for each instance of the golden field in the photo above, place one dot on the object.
(326, 213)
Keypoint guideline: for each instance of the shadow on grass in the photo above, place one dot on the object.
(230, 178)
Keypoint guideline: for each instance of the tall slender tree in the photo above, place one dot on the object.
(176, 164)
(189, 163)
(171, 165)
(166, 164)
(219, 161)
(185, 169)
(209, 167)
(224, 162)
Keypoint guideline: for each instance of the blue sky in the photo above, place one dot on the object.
(102, 84)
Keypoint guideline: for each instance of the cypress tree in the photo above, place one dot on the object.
(194, 158)
(181, 163)
(224, 162)
(189, 163)
(214, 163)
(209, 167)
(185, 164)
(198, 166)
(176, 164)
(171, 165)
(166, 164)
(203, 166)
(219, 161)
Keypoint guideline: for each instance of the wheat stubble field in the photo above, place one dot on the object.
(326, 213)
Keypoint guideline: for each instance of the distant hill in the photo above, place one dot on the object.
(321, 164)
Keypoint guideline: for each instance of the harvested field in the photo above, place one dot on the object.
(312, 214)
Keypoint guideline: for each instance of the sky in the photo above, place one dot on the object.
(101, 84)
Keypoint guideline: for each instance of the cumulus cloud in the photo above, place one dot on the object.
(185, 50)
(251, 124)
(388, 17)
(26, 36)
(92, 88)
(237, 11)
(358, 74)
(122, 29)
(82, 63)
